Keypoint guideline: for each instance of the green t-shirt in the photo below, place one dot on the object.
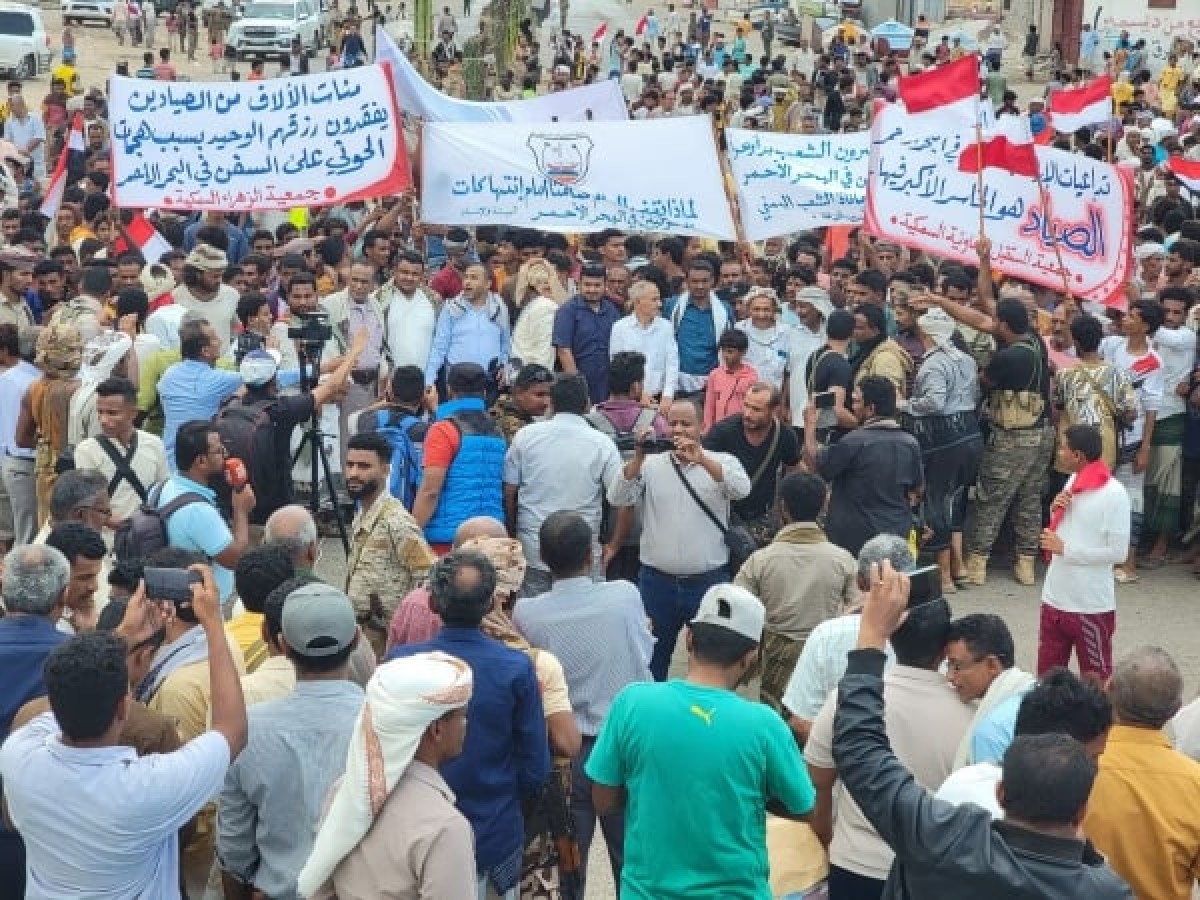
(699, 765)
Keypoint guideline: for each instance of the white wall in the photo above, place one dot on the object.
(1159, 27)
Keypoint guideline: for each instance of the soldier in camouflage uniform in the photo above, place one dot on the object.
(1019, 448)
(528, 399)
(389, 556)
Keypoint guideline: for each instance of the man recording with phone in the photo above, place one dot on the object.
(682, 551)
(98, 820)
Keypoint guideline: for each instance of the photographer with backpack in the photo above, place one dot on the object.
(256, 426)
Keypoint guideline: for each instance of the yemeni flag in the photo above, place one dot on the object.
(1075, 108)
(58, 181)
(943, 86)
(1007, 145)
(150, 243)
(600, 33)
(1187, 171)
(640, 28)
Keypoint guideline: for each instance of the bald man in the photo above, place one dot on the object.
(1144, 810)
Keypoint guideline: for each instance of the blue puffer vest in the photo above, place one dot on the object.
(474, 482)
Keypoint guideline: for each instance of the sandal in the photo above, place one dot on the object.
(950, 587)
(1123, 577)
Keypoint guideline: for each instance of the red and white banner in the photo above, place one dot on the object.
(1007, 145)
(1074, 108)
(918, 196)
(1187, 171)
(941, 86)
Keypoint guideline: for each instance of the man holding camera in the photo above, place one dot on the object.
(682, 552)
(65, 768)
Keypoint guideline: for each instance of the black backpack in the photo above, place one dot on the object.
(248, 432)
(146, 530)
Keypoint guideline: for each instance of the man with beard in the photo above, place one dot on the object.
(389, 556)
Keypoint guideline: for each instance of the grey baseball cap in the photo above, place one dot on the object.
(318, 620)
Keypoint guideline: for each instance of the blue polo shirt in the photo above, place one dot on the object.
(506, 756)
(25, 642)
(585, 332)
(198, 527)
(696, 336)
(191, 390)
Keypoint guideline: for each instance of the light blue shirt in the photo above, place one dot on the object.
(994, 732)
(14, 382)
(598, 631)
(191, 390)
(103, 823)
(562, 463)
(271, 804)
(198, 527)
(467, 333)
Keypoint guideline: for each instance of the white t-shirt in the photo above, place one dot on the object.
(1176, 347)
(220, 312)
(768, 351)
(1146, 373)
(1095, 534)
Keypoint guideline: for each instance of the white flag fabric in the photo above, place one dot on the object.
(312, 140)
(660, 175)
(599, 102)
(790, 182)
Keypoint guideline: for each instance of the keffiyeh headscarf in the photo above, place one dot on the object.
(508, 559)
(59, 351)
(404, 697)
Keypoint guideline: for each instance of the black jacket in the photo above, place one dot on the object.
(945, 851)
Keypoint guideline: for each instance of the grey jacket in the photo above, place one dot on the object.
(946, 851)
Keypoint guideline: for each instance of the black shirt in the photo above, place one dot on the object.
(728, 436)
(1022, 365)
(287, 412)
(825, 370)
(870, 473)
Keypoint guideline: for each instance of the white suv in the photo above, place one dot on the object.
(267, 27)
(82, 11)
(24, 46)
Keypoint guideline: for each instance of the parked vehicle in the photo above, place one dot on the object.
(24, 45)
(267, 28)
(84, 11)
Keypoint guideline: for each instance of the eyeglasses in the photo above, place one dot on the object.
(105, 511)
(954, 665)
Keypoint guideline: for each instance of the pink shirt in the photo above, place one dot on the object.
(724, 392)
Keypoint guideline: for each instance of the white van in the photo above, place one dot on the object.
(267, 27)
(24, 45)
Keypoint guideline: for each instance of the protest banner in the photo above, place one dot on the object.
(312, 140)
(581, 176)
(790, 182)
(599, 102)
(921, 193)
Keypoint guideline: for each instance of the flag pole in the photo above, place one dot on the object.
(979, 164)
(1046, 211)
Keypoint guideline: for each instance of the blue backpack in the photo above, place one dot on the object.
(406, 434)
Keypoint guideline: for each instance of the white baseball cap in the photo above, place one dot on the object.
(734, 608)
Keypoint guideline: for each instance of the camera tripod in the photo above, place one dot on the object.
(313, 438)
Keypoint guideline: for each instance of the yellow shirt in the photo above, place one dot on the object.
(1122, 92)
(246, 631)
(1144, 813)
(69, 76)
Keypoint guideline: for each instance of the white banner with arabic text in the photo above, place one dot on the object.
(312, 140)
(792, 182)
(918, 196)
(660, 175)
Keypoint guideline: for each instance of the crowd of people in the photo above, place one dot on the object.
(556, 459)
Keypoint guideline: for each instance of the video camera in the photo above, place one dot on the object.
(247, 342)
(313, 331)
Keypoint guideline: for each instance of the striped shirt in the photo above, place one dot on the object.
(599, 633)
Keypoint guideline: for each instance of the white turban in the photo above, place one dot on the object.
(938, 325)
(404, 697)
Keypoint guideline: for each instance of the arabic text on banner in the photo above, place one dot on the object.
(314, 140)
(599, 102)
(790, 182)
(581, 176)
(916, 196)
